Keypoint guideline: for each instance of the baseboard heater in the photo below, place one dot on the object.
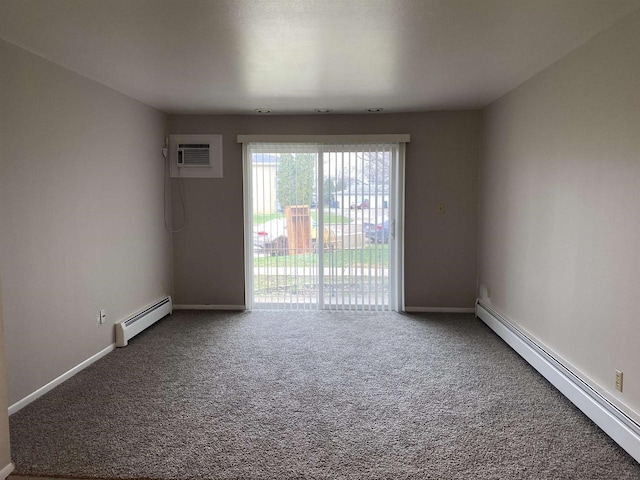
(129, 328)
(624, 430)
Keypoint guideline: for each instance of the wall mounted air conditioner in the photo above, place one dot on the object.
(195, 156)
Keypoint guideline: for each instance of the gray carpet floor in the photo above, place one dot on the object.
(278, 395)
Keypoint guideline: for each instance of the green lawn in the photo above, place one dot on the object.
(259, 218)
(331, 218)
(369, 256)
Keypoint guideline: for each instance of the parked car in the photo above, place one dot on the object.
(377, 232)
(270, 237)
(360, 206)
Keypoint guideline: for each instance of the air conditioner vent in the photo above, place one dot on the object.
(194, 155)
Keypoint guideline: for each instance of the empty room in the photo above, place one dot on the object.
(300, 239)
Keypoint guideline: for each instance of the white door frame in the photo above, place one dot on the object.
(396, 214)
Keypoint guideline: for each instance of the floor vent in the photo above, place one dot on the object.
(129, 328)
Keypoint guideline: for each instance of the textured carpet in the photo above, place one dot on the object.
(312, 396)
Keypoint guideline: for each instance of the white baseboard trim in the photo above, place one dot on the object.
(209, 307)
(613, 421)
(57, 381)
(438, 310)
(6, 471)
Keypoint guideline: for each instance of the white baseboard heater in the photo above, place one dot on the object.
(129, 328)
(615, 423)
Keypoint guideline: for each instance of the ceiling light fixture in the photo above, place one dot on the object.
(322, 110)
(263, 110)
(375, 110)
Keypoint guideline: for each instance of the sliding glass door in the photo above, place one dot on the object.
(322, 229)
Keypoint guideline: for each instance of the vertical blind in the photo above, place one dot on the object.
(321, 219)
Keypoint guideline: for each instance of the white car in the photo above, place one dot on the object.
(270, 236)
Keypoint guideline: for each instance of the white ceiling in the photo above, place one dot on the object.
(292, 56)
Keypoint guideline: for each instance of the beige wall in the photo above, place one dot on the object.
(560, 209)
(81, 220)
(441, 167)
(5, 451)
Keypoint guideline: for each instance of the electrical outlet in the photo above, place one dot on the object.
(619, 380)
(440, 208)
(103, 316)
